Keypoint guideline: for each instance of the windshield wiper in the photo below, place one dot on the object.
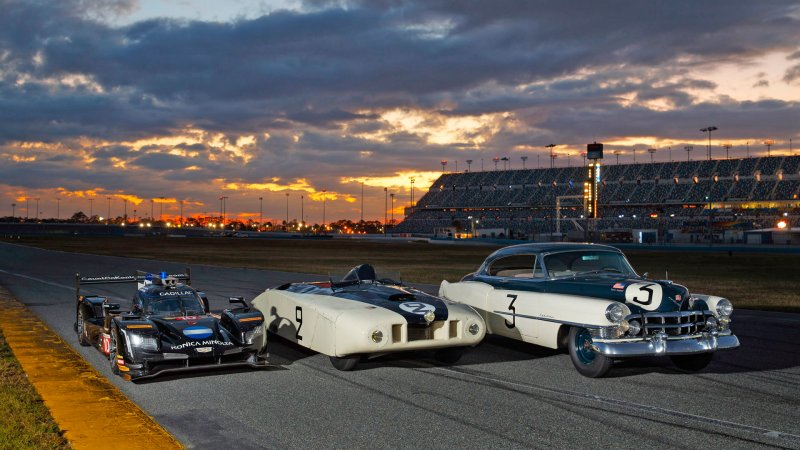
(589, 272)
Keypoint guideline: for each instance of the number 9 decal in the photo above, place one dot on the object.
(644, 295)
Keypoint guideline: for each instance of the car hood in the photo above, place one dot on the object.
(640, 295)
(190, 331)
(410, 303)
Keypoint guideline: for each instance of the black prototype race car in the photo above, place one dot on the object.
(169, 328)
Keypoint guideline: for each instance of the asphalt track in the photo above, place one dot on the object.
(501, 394)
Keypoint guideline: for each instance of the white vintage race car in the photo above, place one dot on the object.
(364, 315)
(587, 298)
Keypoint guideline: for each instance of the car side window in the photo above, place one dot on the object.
(514, 266)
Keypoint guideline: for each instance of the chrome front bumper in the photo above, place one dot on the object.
(660, 345)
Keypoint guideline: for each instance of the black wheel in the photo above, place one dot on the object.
(449, 355)
(80, 328)
(588, 362)
(112, 352)
(345, 363)
(692, 363)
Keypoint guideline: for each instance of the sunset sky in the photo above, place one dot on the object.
(193, 100)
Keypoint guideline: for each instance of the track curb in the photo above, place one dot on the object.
(90, 411)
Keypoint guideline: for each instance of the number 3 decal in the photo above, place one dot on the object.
(644, 295)
(513, 311)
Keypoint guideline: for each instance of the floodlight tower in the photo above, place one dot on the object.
(652, 152)
(617, 153)
(444, 164)
(727, 148)
(709, 130)
(550, 147)
(688, 149)
(469, 165)
(496, 159)
(769, 143)
(523, 158)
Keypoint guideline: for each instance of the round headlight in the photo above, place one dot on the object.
(711, 324)
(615, 312)
(377, 336)
(724, 307)
(474, 329)
(634, 327)
(429, 316)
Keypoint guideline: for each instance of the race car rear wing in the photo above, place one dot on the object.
(140, 277)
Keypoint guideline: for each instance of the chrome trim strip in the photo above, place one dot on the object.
(543, 319)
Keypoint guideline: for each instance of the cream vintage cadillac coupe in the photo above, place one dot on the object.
(587, 298)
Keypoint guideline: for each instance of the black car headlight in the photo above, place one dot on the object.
(144, 342)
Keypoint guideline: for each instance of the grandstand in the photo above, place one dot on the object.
(703, 198)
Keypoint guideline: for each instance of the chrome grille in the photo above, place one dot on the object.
(673, 323)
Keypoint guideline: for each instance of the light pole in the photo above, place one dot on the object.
(385, 206)
(688, 149)
(538, 165)
(469, 165)
(362, 201)
(27, 208)
(748, 148)
(552, 155)
(108, 216)
(153, 202)
(412, 195)
(91, 209)
(302, 211)
(392, 210)
(769, 143)
(617, 153)
(161, 210)
(583, 155)
(125, 215)
(126, 211)
(324, 198)
(287, 212)
(37, 208)
(260, 212)
(523, 158)
(58, 208)
(709, 130)
(652, 152)
(727, 148)
(669, 149)
(496, 159)
(444, 164)
(13, 210)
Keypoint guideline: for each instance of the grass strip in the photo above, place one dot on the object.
(25, 421)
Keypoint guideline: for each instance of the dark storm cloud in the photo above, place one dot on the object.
(305, 84)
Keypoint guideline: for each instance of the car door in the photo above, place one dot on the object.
(514, 301)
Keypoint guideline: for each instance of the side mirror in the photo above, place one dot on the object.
(238, 300)
(645, 274)
(205, 302)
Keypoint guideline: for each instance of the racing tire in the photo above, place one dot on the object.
(692, 363)
(80, 328)
(346, 363)
(586, 361)
(449, 355)
(112, 352)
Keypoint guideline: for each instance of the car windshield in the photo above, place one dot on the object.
(587, 262)
(179, 305)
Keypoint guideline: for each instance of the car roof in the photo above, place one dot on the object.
(548, 247)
